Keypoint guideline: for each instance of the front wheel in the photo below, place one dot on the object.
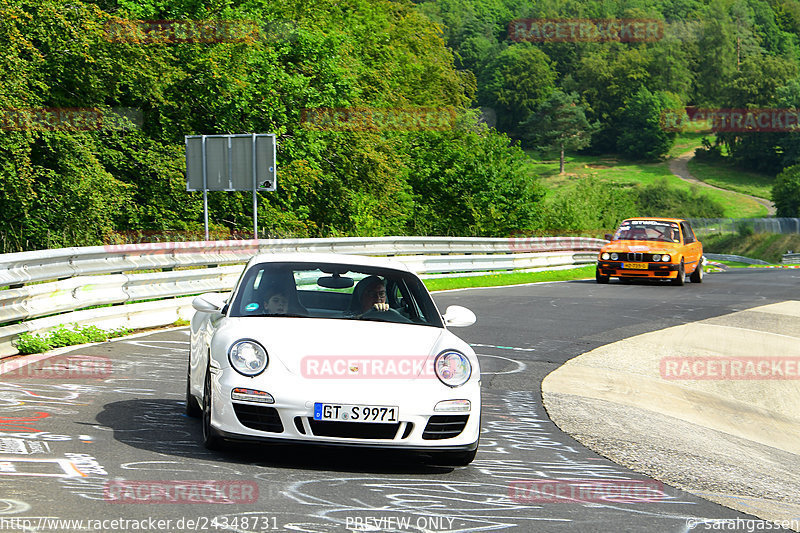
(680, 279)
(210, 439)
(600, 278)
(697, 275)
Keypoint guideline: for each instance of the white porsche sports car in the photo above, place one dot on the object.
(335, 350)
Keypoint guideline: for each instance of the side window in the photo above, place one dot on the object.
(688, 235)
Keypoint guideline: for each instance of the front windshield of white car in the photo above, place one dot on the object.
(648, 230)
(336, 291)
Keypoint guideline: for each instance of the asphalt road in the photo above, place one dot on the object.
(71, 448)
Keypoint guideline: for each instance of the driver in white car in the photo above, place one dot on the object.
(371, 294)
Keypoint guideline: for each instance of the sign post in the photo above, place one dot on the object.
(235, 162)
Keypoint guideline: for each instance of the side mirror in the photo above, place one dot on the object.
(458, 316)
(608, 236)
(212, 302)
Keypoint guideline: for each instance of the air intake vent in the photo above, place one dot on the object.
(258, 417)
(444, 426)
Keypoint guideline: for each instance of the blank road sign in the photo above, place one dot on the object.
(230, 162)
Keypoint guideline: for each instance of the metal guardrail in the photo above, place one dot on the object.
(737, 258)
(51, 287)
(707, 226)
(790, 259)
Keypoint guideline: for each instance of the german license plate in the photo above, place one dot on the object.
(635, 266)
(377, 414)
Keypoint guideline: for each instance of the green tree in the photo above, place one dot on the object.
(515, 83)
(642, 135)
(559, 124)
(786, 192)
(472, 183)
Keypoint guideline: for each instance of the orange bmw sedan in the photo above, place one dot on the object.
(652, 248)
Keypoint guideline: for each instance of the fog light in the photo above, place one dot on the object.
(250, 395)
(453, 406)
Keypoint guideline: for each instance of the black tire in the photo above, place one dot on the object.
(680, 279)
(192, 408)
(697, 275)
(454, 458)
(210, 438)
(600, 278)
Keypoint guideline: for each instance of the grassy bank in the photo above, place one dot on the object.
(765, 246)
(515, 278)
(724, 175)
(611, 169)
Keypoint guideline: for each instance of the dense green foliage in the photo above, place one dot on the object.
(79, 187)
(786, 192)
(732, 54)
(595, 205)
(83, 186)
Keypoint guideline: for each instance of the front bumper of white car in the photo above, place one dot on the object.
(291, 417)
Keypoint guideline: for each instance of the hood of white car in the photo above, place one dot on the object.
(302, 345)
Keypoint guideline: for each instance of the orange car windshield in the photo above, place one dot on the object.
(648, 230)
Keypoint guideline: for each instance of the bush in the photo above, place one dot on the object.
(745, 228)
(660, 200)
(93, 334)
(786, 192)
(708, 152)
(28, 343)
(62, 336)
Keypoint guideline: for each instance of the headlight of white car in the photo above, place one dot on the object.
(248, 357)
(452, 368)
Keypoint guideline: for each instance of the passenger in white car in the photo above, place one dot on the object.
(277, 302)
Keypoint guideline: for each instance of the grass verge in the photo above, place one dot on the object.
(630, 174)
(513, 278)
(765, 246)
(724, 175)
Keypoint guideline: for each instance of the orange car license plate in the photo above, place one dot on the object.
(635, 266)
